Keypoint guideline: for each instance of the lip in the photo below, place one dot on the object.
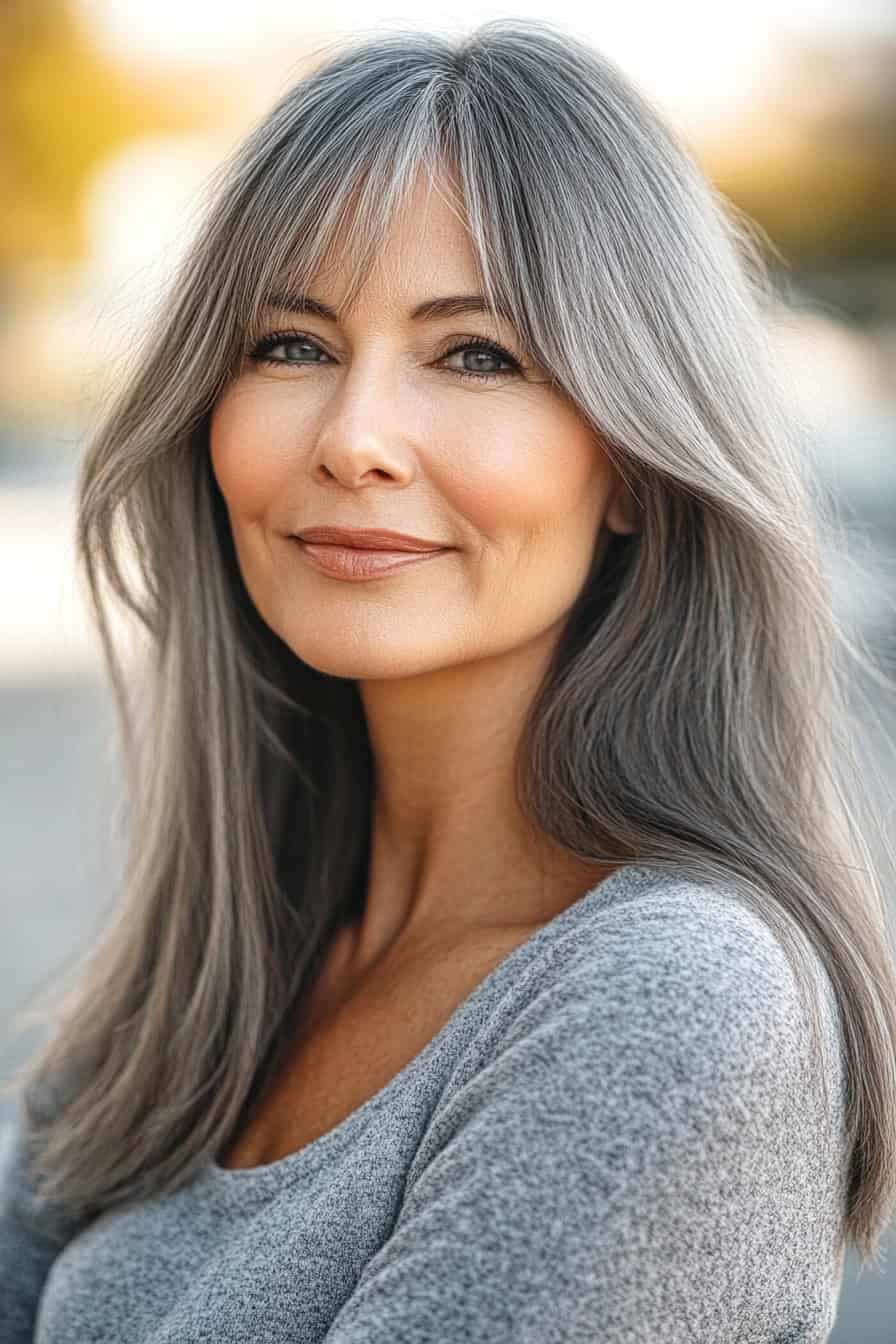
(352, 562)
(368, 539)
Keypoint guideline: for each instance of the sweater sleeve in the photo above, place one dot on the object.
(32, 1233)
(644, 1155)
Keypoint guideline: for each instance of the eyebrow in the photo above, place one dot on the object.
(450, 305)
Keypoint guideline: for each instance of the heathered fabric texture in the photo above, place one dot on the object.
(615, 1138)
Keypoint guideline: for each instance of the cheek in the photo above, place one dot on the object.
(249, 452)
(527, 475)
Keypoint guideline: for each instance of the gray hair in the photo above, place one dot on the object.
(694, 715)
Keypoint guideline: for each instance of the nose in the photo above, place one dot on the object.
(361, 439)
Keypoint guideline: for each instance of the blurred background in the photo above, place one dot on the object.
(112, 115)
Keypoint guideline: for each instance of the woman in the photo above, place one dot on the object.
(499, 958)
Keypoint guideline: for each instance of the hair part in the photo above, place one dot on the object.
(694, 715)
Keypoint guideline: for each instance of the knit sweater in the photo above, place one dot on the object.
(616, 1137)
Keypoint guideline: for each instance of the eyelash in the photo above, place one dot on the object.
(260, 354)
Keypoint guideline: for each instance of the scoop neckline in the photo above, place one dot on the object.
(269, 1175)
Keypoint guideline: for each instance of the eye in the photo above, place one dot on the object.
(263, 353)
(488, 350)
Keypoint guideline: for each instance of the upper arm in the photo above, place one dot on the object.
(643, 1157)
(31, 1235)
(24, 1255)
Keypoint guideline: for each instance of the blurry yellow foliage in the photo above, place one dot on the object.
(828, 200)
(64, 105)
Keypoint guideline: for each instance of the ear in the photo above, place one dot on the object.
(622, 513)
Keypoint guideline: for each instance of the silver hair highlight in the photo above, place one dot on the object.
(695, 712)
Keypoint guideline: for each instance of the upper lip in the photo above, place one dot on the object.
(368, 539)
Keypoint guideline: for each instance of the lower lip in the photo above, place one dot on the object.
(349, 562)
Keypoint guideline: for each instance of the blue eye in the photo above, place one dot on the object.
(262, 353)
(489, 349)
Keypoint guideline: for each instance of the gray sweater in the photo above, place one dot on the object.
(615, 1138)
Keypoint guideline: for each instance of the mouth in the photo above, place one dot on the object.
(355, 562)
(368, 539)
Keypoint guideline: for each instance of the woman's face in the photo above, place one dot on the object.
(373, 424)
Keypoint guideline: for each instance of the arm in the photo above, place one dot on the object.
(31, 1236)
(644, 1157)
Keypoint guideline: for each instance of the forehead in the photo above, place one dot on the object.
(426, 252)
(437, 306)
(416, 264)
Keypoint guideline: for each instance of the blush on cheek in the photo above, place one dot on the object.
(499, 495)
(244, 458)
(508, 508)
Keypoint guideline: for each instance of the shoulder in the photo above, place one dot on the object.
(684, 982)
(687, 940)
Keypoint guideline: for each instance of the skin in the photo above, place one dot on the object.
(380, 430)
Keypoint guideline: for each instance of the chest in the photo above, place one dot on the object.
(355, 1039)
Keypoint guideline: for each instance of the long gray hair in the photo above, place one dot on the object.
(694, 715)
